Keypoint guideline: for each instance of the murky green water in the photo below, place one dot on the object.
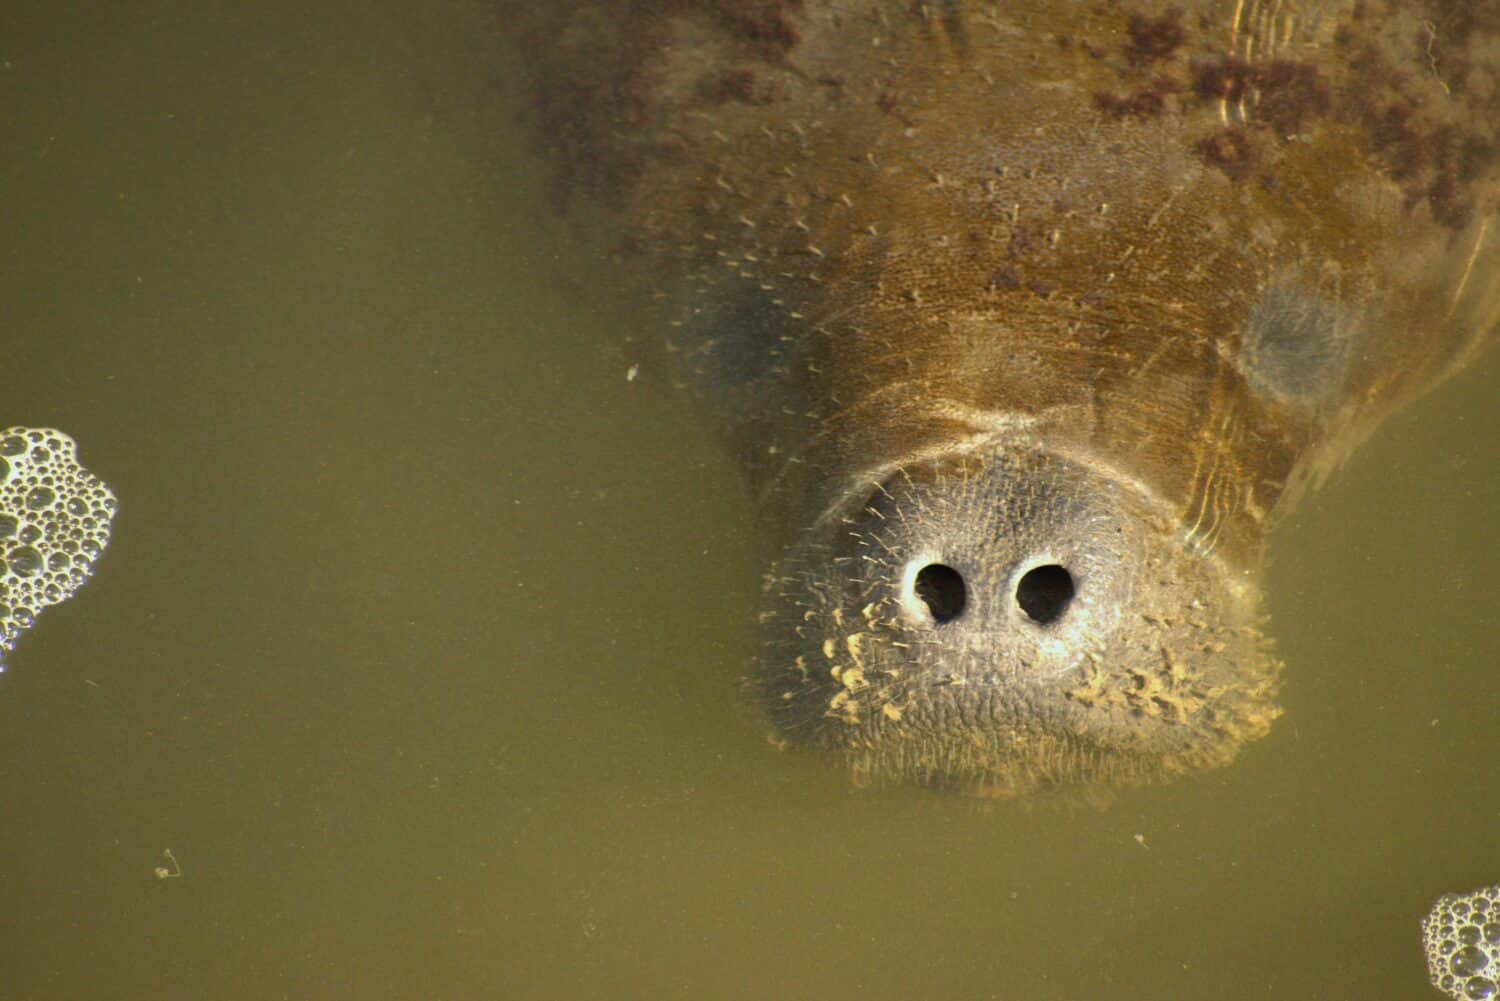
(418, 640)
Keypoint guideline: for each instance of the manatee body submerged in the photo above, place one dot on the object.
(1024, 320)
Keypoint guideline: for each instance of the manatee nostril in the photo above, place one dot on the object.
(942, 589)
(1044, 593)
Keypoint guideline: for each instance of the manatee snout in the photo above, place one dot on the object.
(1005, 622)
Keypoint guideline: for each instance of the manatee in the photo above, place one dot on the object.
(1025, 322)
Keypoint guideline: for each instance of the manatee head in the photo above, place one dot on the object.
(1013, 622)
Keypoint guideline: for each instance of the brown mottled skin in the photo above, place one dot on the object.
(1039, 283)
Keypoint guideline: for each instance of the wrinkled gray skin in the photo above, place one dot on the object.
(904, 600)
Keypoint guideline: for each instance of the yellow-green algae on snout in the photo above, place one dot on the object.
(1024, 321)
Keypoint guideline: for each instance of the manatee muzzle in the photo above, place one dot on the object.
(1009, 621)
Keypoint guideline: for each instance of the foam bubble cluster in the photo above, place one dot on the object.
(1462, 937)
(54, 523)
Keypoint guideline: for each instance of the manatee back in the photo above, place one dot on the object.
(1282, 212)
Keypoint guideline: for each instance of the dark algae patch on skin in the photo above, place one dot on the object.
(1025, 321)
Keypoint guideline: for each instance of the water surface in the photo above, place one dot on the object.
(418, 641)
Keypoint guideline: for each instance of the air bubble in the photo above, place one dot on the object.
(1463, 957)
(40, 497)
(23, 561)
(45, 496)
